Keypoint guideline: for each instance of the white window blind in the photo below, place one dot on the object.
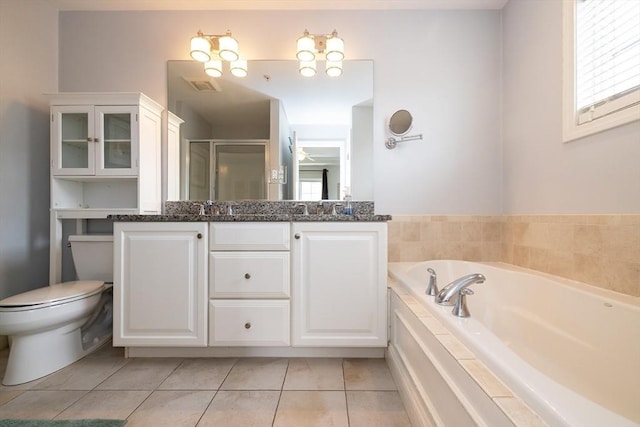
(607, 57)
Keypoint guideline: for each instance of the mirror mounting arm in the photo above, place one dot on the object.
(392, 142)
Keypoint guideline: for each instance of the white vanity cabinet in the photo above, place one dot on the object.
(339, 296)
(160, 289)
(249, 286)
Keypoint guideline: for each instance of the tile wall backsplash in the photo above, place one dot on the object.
(420, 238)
(602, 250)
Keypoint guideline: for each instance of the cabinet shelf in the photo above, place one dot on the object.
(91, 213)
(86, 192)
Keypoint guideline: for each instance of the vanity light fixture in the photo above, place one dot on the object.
(311, 45)
(212, 49)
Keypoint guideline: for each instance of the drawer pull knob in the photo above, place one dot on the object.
(247, 325)
(247, 276)
(297, 235)
(199, 235)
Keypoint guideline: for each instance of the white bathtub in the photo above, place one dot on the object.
(570, 351)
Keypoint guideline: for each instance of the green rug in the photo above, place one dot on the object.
(62, 423)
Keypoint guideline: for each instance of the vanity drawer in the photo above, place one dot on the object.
(249, 274)
(249, 236)
(252, 323)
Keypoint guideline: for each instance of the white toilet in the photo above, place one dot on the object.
(51, 327)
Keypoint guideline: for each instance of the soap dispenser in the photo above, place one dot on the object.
(348, 208)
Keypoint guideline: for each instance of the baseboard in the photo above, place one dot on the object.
(355, 352)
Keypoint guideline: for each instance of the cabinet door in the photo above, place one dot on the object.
(160, 296)
(73, 140)
(117, 140)
(339, 284)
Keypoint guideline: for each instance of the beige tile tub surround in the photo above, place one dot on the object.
(421, 238)
(601, 250)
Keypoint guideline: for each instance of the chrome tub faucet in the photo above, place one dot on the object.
(450, 293)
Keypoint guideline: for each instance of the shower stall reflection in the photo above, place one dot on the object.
(227, 170)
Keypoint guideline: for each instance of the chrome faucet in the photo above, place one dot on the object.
(432, 287)
(450, 293)
(305, 210)
(208, 206)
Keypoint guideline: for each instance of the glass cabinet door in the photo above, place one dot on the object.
(117, 142)
(72, 129)
(95, 140)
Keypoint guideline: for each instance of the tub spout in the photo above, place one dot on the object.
(432, 287)
(449, 294)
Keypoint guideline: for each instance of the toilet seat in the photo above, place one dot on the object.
(52, 295)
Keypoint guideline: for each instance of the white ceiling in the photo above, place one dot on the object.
(275, 4)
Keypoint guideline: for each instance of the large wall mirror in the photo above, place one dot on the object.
(273, 134)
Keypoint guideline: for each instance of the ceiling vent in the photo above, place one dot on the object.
(203, 85)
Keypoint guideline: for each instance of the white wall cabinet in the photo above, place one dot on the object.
(105, 159)
(339, 284)
(160, 284)
(105, 153)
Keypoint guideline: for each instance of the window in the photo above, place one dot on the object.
(601, 65)
(310, 190)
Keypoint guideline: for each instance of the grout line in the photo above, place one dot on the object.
(344, 385)
(72, 403)
(284, 379)
(208, 406)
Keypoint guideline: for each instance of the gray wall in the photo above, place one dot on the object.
(597, 174)
(28, 69)
(444, 66)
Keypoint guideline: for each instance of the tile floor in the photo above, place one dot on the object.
(212, 392)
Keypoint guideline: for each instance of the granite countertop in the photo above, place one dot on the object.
(259, 211)
(250, 218)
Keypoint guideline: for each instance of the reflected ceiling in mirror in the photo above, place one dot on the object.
(319, 100)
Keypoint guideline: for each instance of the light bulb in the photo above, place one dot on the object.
(306, 46)
(334, 68)
(308, 68)
(228, 48)
(213, 68)
(239, 68)
(335, 48)
(200, 48)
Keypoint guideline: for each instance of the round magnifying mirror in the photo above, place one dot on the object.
(400, 122)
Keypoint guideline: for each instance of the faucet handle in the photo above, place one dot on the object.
(335, 205)
(432, 287)
(460, 308)
(201, 208)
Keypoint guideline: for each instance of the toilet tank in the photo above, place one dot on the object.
(93, 256)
